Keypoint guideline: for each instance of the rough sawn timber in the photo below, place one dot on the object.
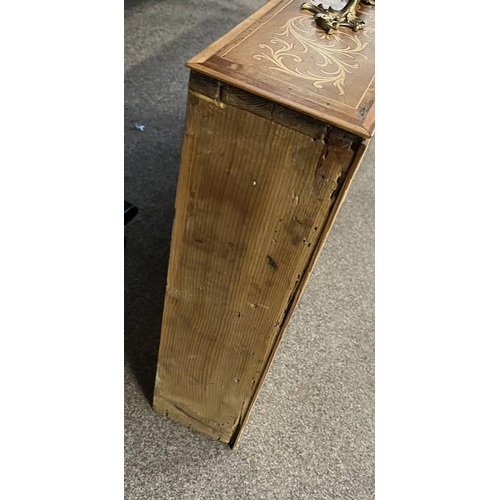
(259, 188)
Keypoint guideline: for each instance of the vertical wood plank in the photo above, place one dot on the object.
(339, 200)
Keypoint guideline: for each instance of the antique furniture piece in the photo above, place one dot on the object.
(279, 115)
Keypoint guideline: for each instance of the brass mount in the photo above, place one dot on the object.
(330, 19)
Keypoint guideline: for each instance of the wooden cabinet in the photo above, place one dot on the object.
(279, 115)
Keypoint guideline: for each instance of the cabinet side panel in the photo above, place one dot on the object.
(253, 199)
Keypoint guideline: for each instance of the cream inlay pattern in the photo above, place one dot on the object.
(334, 56)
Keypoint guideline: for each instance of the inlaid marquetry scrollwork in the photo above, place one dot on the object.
(330, 57)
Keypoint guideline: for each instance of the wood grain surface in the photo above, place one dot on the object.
(258, 191)
(280, 54)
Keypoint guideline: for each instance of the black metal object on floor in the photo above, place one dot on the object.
(130, 212)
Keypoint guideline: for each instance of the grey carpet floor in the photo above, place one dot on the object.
(311, 434)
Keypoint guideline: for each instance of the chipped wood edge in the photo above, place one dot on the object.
(177, 413)
(300, 289)
(221, 94)
(330, 119)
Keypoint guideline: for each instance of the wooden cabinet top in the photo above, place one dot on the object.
(280, 53)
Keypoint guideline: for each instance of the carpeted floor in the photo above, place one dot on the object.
(311, 434)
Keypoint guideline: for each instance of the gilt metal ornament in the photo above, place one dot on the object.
(330, 19)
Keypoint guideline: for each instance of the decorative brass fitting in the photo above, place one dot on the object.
(330, 19)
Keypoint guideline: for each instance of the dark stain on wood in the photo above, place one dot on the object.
(272, 262)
